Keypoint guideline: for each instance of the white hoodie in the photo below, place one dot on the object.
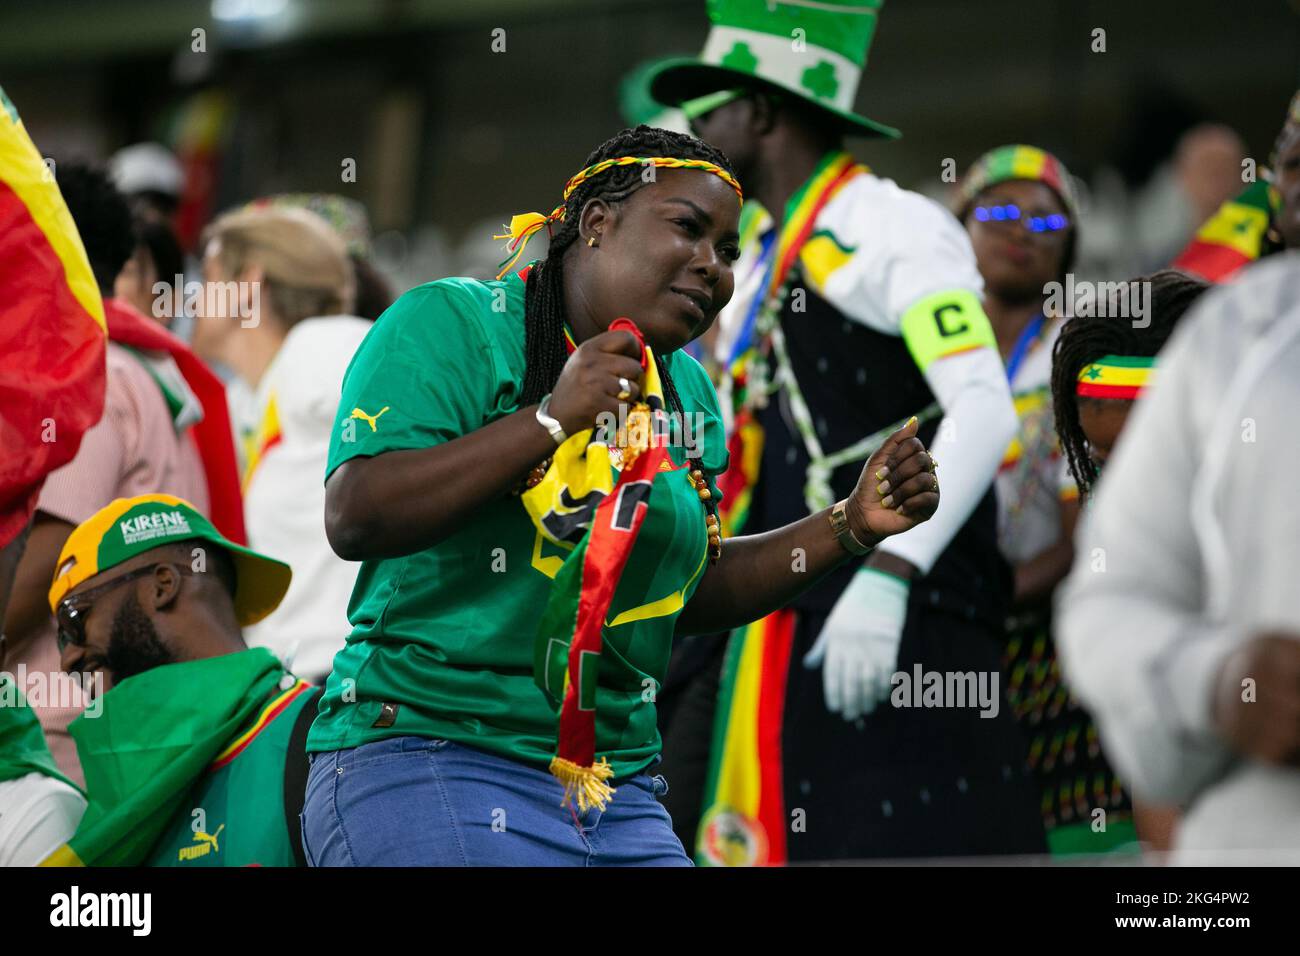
(284, 498)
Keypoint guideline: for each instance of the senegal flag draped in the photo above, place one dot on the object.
(157, 733)
(578, 506)
(51, 328)
(1235, 236)
(744, 820)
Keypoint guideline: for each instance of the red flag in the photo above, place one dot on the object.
(213, 434)
(51, 328)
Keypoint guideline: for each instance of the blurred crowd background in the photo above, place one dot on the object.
(452, 126)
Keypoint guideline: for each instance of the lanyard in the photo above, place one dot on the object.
(766, 262)
(1021, 348)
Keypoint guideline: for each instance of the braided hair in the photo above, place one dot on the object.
(544, 316)
(1084, 339)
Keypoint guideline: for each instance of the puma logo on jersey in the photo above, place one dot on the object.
(204, 843)
(370, 419)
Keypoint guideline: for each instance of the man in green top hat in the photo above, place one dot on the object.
(197, 756)
(857, 304)
(812, 50)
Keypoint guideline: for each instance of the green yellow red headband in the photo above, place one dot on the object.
(1116, 376)
(525, 225)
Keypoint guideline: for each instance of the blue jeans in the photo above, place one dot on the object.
(411, 801)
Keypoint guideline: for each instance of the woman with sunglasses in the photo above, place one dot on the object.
(1019, 206)
(467, 477)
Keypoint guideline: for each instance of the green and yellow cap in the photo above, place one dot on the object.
(131, 526)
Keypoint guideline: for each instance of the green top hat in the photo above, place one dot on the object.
(813, 49)
(636, 104)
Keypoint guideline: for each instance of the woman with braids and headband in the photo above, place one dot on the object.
(1100, 365)
(528, 479)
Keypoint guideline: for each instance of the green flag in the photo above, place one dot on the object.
(156, 735)
(23, 749)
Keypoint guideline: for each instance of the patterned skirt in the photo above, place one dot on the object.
(1084, 806)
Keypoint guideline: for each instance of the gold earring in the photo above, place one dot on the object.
(591, 240)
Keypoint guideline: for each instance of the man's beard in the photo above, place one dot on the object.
(134, 645)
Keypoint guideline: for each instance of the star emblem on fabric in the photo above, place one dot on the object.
(1093, 373)
(740, 57)
(820, 80)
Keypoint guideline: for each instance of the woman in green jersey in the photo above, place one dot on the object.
(527, 554)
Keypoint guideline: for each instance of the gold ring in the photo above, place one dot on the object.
(936, 480)
(934, 463)
(625, 389)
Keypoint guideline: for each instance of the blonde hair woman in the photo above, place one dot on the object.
(277, 287)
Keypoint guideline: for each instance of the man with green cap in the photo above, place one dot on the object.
(196, 756)
(857, 305)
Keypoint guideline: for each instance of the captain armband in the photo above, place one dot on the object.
(944, 324)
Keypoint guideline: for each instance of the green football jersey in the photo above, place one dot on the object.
(235, 815)
(442, 639)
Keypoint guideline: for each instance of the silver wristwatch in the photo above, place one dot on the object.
(552, 425)
(844, 533)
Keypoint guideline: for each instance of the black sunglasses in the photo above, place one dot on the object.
(72, 610)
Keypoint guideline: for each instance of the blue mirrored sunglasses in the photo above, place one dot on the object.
(1011, 213)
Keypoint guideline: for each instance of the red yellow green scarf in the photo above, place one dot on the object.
(579, 506)
(745, 443)
(744, 818)
(744, 806)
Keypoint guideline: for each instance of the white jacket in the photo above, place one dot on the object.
(284, 499)
(1191, 547)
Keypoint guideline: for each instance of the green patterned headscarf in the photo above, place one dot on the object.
(1017, 162)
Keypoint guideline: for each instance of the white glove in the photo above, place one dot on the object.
(860, 643)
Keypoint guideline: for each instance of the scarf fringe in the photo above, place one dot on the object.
(585, 784)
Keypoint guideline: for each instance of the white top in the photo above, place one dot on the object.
(38, 814)
(284, 494)
(1033, 478)
(875, 250)
(1189, 549)
(896, 246)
